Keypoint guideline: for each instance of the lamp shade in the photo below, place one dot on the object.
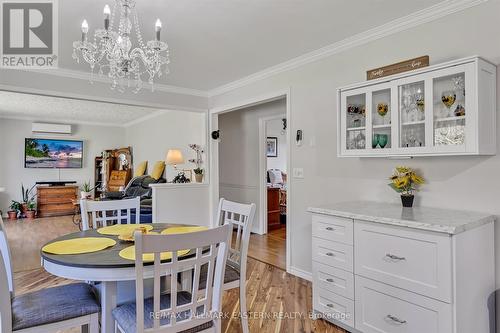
(174, 157)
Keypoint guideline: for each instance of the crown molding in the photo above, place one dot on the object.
(80, 75)
(412, 20)
(147, 117)
(62, 121)
(53, 93)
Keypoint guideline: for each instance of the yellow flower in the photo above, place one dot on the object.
(402, 169)
(399, 182)
(416, 178)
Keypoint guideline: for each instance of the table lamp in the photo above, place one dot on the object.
(175, 157)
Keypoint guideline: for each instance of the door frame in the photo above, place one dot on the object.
(263, 170)
(213, 115)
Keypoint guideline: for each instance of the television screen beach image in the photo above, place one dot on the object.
(53, 153)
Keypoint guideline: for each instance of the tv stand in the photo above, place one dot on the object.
(56, 183)
(56, 200)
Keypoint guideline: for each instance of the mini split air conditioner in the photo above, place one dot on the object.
(42, 128)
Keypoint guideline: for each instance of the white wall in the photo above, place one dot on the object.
(468, 183)
(274, 128)
(152, 138)
(239, 152)
(12, 171)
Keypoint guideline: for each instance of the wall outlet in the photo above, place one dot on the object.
(298, 173)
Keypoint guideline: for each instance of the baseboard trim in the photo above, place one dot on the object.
(301, 273)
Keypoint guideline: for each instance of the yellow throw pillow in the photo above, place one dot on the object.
(158, 170)
(140, 170)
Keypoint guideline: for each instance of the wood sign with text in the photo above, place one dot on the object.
(397, 68)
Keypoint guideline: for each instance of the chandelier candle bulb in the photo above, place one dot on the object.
(158, 29)
(85, 30)
(107, 13)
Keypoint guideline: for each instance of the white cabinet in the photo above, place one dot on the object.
(447, 109)
(433, 273)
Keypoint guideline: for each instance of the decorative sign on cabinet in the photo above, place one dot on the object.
(446, 109)
(378, 268)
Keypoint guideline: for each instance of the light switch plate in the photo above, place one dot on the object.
(298, 173)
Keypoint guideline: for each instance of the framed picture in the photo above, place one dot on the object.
(272, 146)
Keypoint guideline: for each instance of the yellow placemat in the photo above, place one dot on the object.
(120, 229)
(79, 245)
(182, 230)
(129, 253)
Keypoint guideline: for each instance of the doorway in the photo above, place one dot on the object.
(252, 163)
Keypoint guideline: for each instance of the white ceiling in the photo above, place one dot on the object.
(214, 42)
(64, 110)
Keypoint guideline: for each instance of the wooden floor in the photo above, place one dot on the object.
(269, 248)
(270, 290)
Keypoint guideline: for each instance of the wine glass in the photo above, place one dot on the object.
(448, 98)
(382, 109)
(382, 140)
(360, 141)
(375, 141)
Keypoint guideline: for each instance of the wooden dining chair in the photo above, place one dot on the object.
(178, 311)
(46, 310)
(96, 214)
(5, 250)
(241, 217)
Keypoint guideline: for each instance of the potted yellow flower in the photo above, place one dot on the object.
(405, 181)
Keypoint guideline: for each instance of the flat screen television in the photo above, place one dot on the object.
(53, 153)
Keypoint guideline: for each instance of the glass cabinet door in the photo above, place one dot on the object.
(412, 115)
(381, 119)
(449, 110)
(356, 122)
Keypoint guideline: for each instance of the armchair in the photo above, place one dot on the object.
(138, 187)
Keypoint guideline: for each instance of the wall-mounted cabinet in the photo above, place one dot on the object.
(446, 109)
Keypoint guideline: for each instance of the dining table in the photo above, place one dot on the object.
(113, 275)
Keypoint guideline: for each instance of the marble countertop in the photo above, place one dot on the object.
(425, 218)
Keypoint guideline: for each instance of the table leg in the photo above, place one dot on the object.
(108, 303)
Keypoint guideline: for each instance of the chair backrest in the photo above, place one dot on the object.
(208, 250)
(7, 258)
(241, 217)
(5, 302)
(104, 213)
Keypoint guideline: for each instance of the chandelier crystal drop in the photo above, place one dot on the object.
(112, 54)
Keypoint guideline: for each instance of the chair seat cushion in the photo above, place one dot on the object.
(125, 315)
(231, 274)
(53, 305)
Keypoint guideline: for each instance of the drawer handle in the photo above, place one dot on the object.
(396, 319)
(330, 254)
(330, 280)
(330, 305)
(330, 228)
(394, 257)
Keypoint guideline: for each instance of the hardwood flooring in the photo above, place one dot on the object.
(277, 301)
(269, 248)
(26, 238)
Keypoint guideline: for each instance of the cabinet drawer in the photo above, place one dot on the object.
(333, 306)
(382, 308)
(333, 228)
(333, 279)
(413, 260)
(332, 253)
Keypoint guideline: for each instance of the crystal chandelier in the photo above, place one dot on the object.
(111, 49)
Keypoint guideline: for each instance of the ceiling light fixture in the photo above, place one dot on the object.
(111, 49)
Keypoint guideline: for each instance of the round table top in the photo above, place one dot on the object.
(107, 258)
